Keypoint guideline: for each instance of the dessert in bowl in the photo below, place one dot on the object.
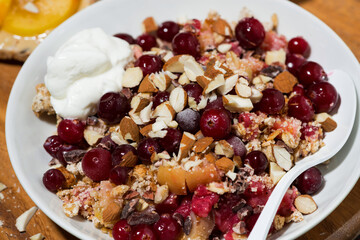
(160, 83)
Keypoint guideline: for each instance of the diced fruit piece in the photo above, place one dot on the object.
(53, 179)
(174, 178)
(311, 72)
(97, 164)
(257, 160)
(167, 30)
(119, 175)
(250, 33)
(272, 101)
(142, 232)
(203, 201)
(4, 8)
(146, 148)
(300, 46)
(301, 108)
(146, 42)
(121, 230)
(201, 175)
(50, 14)
(186, 43)
(113, 107)
(215, 123)
(310, 181)
(201, 227)
(305, 204)
(126, 37)
(167, 228)
(71, 131)
(324, 96)
(171, 141)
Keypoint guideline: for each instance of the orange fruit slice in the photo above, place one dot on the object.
(27, 18)
(4, 7)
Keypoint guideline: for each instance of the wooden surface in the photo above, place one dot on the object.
(343, 16)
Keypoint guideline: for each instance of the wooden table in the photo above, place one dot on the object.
(343, 16)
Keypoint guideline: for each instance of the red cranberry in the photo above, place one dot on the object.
(257, 160)
(225, 218)
(216, 104)
(294, 62)
(310, 181)
(186, 43)
(167, 228)
(308, 131)
(237, 145)
(71, 131)
(120, 151)
(324, 96)
(185, 207)
(286, 206)
(146, 148)
(126, 37)
(167, 30)
(194, 90)
(149, 64)
(215, 123)
(300, 46)
(53, 179)
(63, 149)
(52, 145)
(299, 89)
(311, 72)
(251, 221)
(301, 108)
(159, 98)
(97, 164)
(272, 101)
(188, 120)
(203, 201)
(146, 41)
(113, 107)
(121, 230)
(142, 232)
(171, 141)
(169, 205)
(250, 33)
(119, 175)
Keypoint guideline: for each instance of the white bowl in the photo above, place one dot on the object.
(25, 133)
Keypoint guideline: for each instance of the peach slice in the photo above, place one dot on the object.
(201, 175)
(174, 177)
(4, 7)
(27, 18)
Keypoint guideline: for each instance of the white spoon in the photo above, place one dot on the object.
(334, 142)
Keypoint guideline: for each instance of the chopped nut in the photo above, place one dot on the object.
(111, 213)
(305, 204)
(210, 157)
(129, 129)
(234, 103)
(202, 144)
(92, 137)
(230, 83)
(183, 79)
(203, 81)
(147, 86)
(225, 164)
(224, 148)
(176, 63)
(149, 25)
(217, 82)
(256, 95)
(279, 222)
(161, 194)
(2, 187)
(23, 220)
(192, 69)
(129, 160)
(145, 130)
(119, 191)
(276, 172)
(160, 80)
(243, 90)
(222, 27)
(283, 157)
(164, 112)
(141, 205)
(138, 103)
(132, 77)
(326, 121)
(145, 114)
(186, 143)
(275, 56)
(273, 135)
(224, 47)
(238, 162)
(178, 99)
(285, 82)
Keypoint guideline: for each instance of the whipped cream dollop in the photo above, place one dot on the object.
(88, 65)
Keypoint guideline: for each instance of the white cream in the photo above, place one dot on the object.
(88, 65)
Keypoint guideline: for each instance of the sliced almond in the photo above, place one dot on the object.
(145, 114)
(176, 63)
(178, 99)
(37, 236)
(326, 121)
(203, 81)
(149, 25)
(275, 56)
(217, 82)
(136, 117)
(276, 172)
(23, 220)
(129, 129)
(279, 222)
(111, 213)
(129, 160)
(192, 69)
(91, 136)
(229, 84)
(234, 103)
(161, 194)
(243, 90)
(282, 157)
(164, 112)
(138, 103)
(224, 47)
(161, 81)
(222, 27)
(202, 144)
(285, 82)
(132, 77)
(145, 130)
(225, 164)
(183, 79)
(147, 86)
(186, 143)
(256, 95)
(305, 204)
(117, 138)
(224, 148)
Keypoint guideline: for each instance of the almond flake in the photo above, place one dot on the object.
(326, 121)
(129, 129)
(145, 130)
(138, 103)
(217, 82)
(192, 69)
(132, 77)
(183, 79)
(186, 143)
(224, 47)
(176, 63)
(225, 164)
(230, 83)
(160, 80)
(285, 82)
(145, 114)
(149, 25)
(224, 148)
(234, 103)
(147, 86)
(23, 220)
(178, 99)
(305, 204)
(276, 172)
(111, 213)
(243, 90)
(202, 144)
(275, 56)
(283, 157)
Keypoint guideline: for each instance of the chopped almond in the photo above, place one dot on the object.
(217, 82)
(224, 148)
(230, 83)
(178, 99)
(225, 164)
(186, 143)
(138, 103)
(275, 56)
(202, 144)
(192, 69)
(149, 25)
(279, 222)
(326, 121)
(276, 172)
(129, 160)
(23, 220)
(161, 80)
(283, 157)
(234, 103)
(305, 204)
(145, 130)
(129, 129)
(111, 213)
(222, 27)
(243, 90)
(147, 86)
(176, 63)
(285, 82)
(132, 77)
(164, 112)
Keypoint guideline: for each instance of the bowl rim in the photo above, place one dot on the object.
(10, 111)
